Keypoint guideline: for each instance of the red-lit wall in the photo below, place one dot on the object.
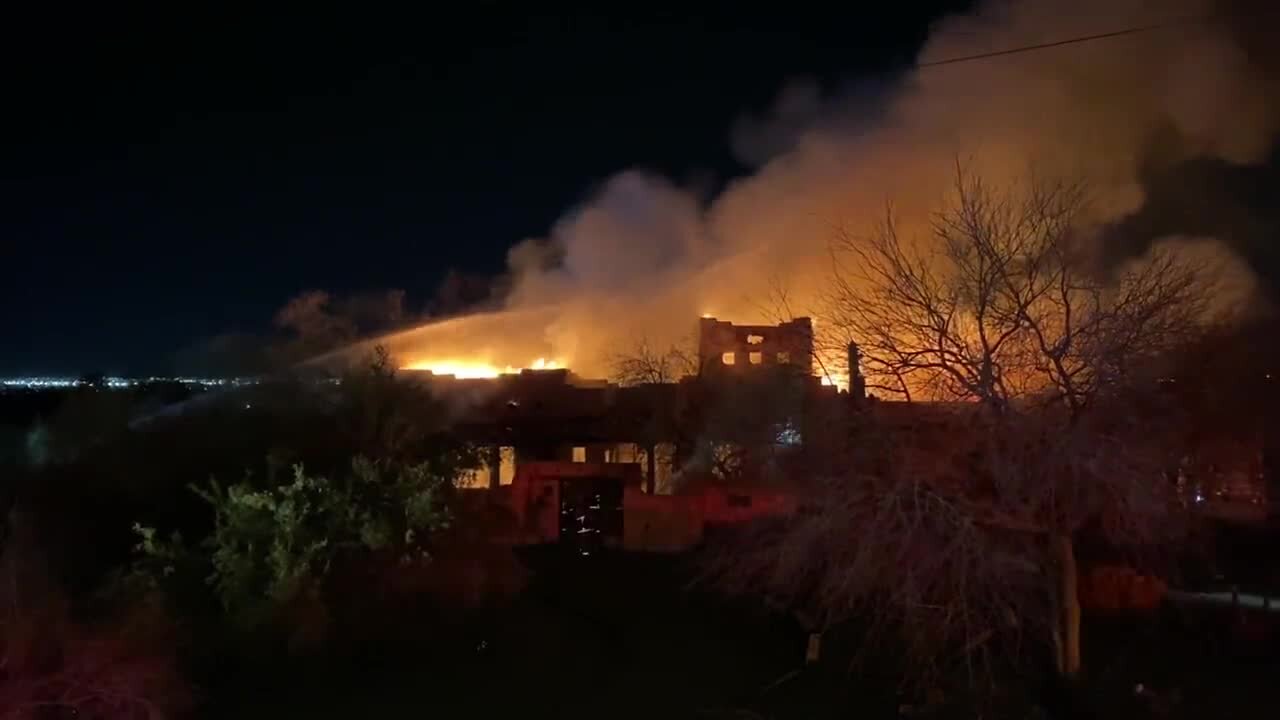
(661, 523)
(651, 523)
(731, 506)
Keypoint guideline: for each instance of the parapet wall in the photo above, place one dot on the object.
(723, 346)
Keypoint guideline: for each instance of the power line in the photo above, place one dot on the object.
(1070, 41)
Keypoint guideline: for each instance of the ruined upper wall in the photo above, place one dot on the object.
(723, 346)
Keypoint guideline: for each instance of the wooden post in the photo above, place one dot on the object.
(493, 455)
(650, 471)
(814, 651)
(1069, 600)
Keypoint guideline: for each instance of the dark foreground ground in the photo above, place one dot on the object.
(627, 638)
(613, 637)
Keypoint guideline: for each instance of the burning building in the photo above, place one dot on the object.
(753, 385)
(592, 464)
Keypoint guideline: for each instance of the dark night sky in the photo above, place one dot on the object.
(167, 176)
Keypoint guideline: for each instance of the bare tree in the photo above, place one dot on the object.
(1001, 305)
(954, 519)
(643, 364)
(727, 427)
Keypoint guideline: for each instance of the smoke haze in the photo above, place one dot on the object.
(644, 257)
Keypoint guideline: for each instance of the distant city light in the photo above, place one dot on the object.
(41, 382)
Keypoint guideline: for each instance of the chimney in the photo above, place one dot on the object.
(857, 383)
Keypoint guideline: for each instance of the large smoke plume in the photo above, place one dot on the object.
(645, 257)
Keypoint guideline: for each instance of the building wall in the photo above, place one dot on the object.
(554, 416)
(535, 496)
(650, 523)
(625, 454)
(660, 523)
(731, 506)
(723, 346)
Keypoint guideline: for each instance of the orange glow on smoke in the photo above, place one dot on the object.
(471, 369)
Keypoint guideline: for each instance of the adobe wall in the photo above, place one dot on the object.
(723, 346)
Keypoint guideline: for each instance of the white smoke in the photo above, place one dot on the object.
(646, 257)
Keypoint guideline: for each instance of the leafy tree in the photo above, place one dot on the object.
(272, 544)
(381, 483)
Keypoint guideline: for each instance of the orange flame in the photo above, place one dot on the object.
(472, 369)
